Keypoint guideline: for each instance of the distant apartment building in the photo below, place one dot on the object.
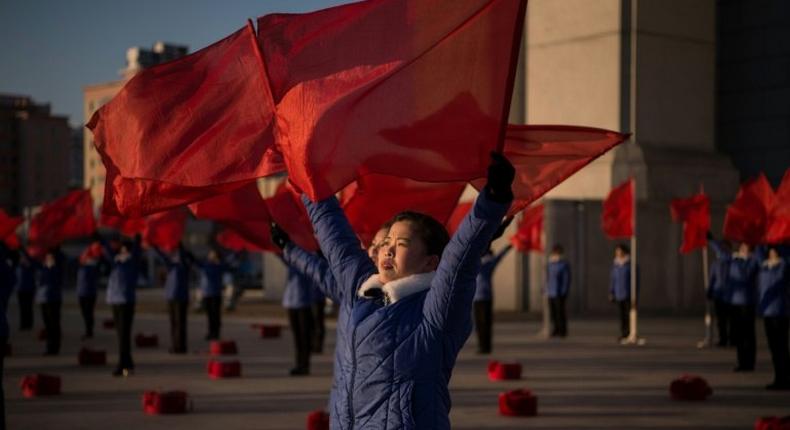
(33, 146)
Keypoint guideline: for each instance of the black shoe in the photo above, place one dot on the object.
(743, 369)
(299, 371)
(778, 386)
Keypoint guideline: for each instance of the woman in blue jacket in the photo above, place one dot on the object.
(7, 280)
(121, 296)
(407, 322)
(719, 293)
(558, 284)
(87, 280)
(49, 296)
(620, 287)
(211, 271)
(177, 294)
(483, 303)
(774, 291)
(25, 279)
(298, 301)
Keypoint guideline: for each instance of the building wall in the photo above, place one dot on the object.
(95, 96)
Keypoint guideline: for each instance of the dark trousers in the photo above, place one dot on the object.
(484, 320)
(123, 315)
(723, 321)
(3, 342)
(318, 327)
(559, 320)
(743, 335)
(25, 309)
(50, 313)
(776, 330)
(213, 306)
(625, 322)
(178, 325)
(87, 305)
(301, 321)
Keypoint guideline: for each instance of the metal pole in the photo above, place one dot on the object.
(708, 341)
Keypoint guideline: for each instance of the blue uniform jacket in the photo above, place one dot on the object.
(717, 280)
(25, 279)
(87, 280)
(558, 278)
(773, 286)
(488, 264)
(177, 282)
(211, 278)
(50, 283)
(298, 290)
(122, 283)
(620, 281)
(7, 281)
(741, 276)
(400, 356)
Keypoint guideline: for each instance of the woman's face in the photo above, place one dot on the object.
(402, 253)
(373, 249)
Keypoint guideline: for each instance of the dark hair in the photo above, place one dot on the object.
(432, 232)
(128, 244)
(558, 249)
(623, 247)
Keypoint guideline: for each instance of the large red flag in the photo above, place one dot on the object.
(68, 217)
(242, 204)
(287, 210)
(410, 88)
(779, 220)
(617, 219)
(12, 241)
(8, 224)
(694, 213)
(546, 155)
(187, 129)
(457, 216)
(746, 219)
(528, 237)
(126, 226)
(247, 235)
(164, 229)
(375, 199)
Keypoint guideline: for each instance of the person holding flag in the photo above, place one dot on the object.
(25, 286)
(211, 271)
(620, 287)
(773, 304)
(558, 284)
(177, 294)
(49, 295)
(483, 303)
(719, 293)
(87, 280)
(7, 279)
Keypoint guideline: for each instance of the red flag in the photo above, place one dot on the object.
(694, 213)
(747, 217)
(247, 235)
(530, 229)
(779, 220)
(187, 129)
(8, 224)
(375, 199)
(410, 88)
(68, 217)
(164, 229)
(242, 204)
(127, 226)
(617, 218)
(546, 155)
(287, 210)
(457, 216)
(12, 241)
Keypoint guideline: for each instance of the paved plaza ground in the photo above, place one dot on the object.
(586, 381)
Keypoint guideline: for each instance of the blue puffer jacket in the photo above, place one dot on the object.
(774, 289)
(25, 279)
(401, 355)
(177, 282)
(87, 280)
(7, 281)
(211, 278)
(717, 280)
(741, 275)
(488, 264)
(50, 284)
(298, 292)
(620, 281)
(122, 283)
(558, 278)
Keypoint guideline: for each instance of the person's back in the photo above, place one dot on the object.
(50, 282)
(741, 279)
(122, 283)
(773, 288)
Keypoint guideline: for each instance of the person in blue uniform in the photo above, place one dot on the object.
(719, 294)
(211, 271)
(773, 284)
(49, 297)
(558, 284)
(87, 282)
(25, 278)
(7, 281)
(483, 303)
(298, 301)
(620, 287)
(177, 295)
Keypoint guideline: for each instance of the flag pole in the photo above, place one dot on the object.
(708, 341)
(633, 337)
(545, 332)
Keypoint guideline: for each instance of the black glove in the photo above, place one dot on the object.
(500, 178)
(709, 235)
(279, 236)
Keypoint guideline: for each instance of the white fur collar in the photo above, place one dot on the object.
(399, 288)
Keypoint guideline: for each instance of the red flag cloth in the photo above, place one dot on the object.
(247, 235)
(127, 226)
(287, 210)
(374, 199)
(779, 220)
(410, 88)
(242, 204)
(617, 218)
(694, 213)
(8, 224)
(528, 237)
(12, 241)
(546, 155)
(187, 129)
(457, 216)
(746, 219)
(164, 229)
(68, 217)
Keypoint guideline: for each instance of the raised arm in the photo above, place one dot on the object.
(501, 254)
(348, 262)
(162, 256)
(312, 267)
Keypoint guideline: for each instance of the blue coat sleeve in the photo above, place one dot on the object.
(348, 262)
(718, 249)
(448, 304)
(502, 254)
(566, 279)
(314, 268)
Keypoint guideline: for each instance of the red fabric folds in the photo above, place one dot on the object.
(374, 199)
(287, 210)
(68, 217)
(779, 220)
(12, 241)
(617, 219)
(187, 129)
(694, 213)
(242, 204)
(747, 217)
(529, 236)
(457, 216)
(164, 229)
(8, 224)
(409, 88)
(126, 226)
(228, 238)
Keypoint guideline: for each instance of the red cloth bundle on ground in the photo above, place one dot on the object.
(40, 385)
(223, 347)
(772, 423)
(165, 402)
(90, 357)
(690, 387)
(223, 369)
(503, 371)
(268, 331)
(318, 420)
(146, 341)
(108, 324)
(518, 403)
